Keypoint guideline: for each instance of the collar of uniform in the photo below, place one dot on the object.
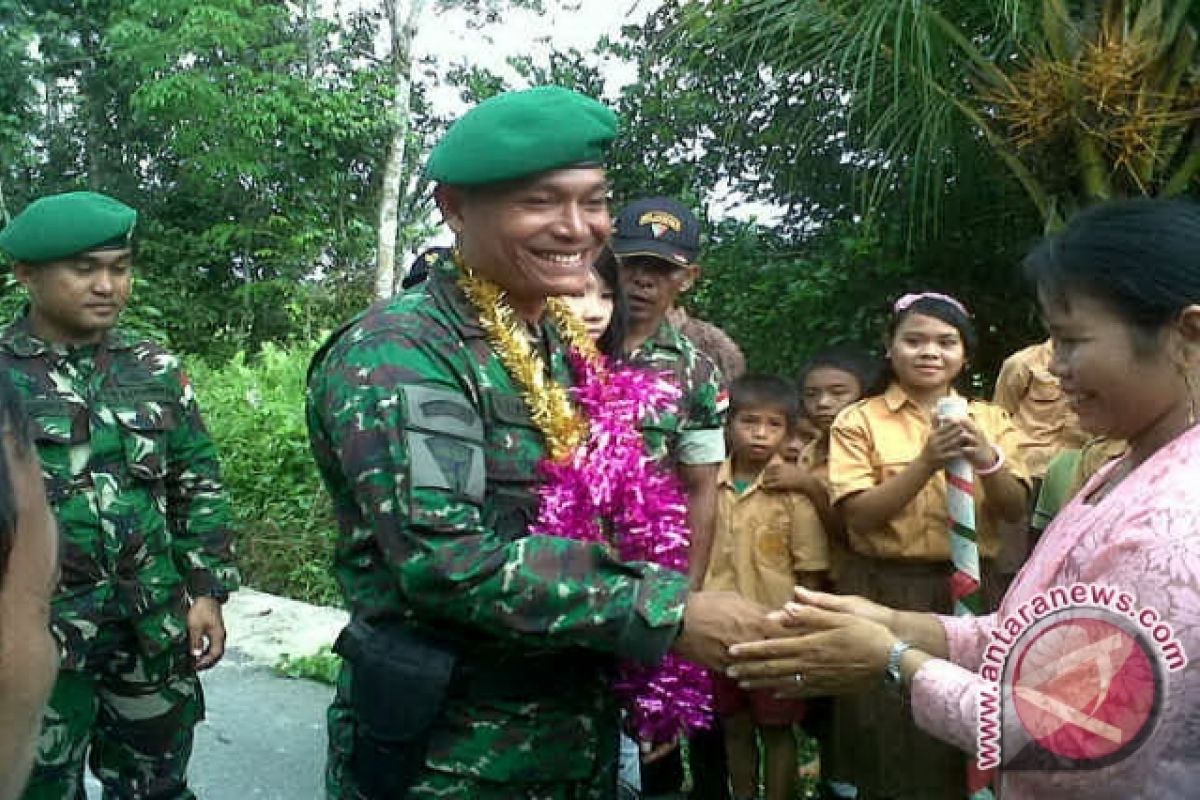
(725, 477)
(725, 473)
(895, 397)
(1042, 354)
(443, 285)
(665, 337)
(19, 340)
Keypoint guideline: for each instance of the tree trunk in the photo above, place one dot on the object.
(403, 23)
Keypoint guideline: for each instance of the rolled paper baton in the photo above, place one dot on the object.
(964, 551)
(951, 407)
(960, 507)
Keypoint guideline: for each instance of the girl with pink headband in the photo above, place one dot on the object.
(887, 459)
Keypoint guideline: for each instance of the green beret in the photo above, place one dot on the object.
(64, 225)
(518, 134)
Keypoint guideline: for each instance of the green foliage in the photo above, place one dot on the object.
(1073, 102)
(756, 285)
(322, 666)
(255, 411)
(247, 135)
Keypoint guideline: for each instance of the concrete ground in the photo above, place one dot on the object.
(264, 738)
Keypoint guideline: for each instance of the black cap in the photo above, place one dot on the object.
(660, 227)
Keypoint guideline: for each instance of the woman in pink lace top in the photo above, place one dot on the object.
(1087, 654)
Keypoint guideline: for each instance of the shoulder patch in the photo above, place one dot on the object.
(441, 411)
(443, 462)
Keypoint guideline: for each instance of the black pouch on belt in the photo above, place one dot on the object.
(399, 683)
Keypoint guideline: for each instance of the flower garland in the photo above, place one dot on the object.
(549, 402)
(601, 482)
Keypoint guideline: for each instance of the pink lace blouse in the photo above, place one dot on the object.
(1144, 538)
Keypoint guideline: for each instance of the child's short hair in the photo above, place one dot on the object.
(765, 391)
(865, 368)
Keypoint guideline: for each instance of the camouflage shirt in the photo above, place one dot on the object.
(132, 477)
(430, 456)
(696, 433)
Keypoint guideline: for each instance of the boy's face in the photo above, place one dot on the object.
(800, 437)
(756, 434)
(827, 390)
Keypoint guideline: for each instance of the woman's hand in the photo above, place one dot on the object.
(854, 605)
(839, 654)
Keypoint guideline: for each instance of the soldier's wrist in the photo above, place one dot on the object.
(213, 592)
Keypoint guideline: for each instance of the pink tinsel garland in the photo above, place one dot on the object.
(610, 477)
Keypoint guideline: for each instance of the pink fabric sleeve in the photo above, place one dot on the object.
(967, 638)
(944, 699)
(944, 692)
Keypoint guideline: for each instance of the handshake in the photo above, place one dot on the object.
(818, 644)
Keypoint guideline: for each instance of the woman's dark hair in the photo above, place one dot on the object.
(14, 427)
(1141, 258)
(612, 341)
(855, 361)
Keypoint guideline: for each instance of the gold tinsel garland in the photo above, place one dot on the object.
(549, 401)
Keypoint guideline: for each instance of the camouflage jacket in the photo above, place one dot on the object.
(132, 478)
(696, 433)
(430, 456)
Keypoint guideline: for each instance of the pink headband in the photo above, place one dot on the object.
(907, 300)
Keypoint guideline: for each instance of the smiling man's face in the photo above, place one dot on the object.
(536, 238)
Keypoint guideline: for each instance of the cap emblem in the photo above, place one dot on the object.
(660, 223)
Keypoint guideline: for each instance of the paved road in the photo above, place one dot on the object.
(264, 738)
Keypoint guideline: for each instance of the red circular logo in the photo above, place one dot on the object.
(1085, 688)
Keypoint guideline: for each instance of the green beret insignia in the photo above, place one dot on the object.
(64, 225)
(519, 134)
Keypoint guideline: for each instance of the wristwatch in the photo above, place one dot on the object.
(216, 592)
(892, 677)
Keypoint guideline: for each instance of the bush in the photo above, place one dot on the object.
(322, 666)
(285, 528)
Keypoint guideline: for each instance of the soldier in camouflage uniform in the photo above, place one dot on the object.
(499, 684)
(657, 241)
(132, 478)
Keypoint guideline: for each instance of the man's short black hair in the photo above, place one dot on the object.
(13, 428)
(762, 392)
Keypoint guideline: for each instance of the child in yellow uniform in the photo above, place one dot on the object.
(765, 543)
(830, 381)
(887, 459)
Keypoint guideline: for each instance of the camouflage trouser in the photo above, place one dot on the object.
(433, 783)
(130, 716)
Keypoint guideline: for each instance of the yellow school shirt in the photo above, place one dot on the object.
(876, 438)
(1039, 408)
(762, 539)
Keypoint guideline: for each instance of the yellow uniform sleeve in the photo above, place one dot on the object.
(851, 454)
